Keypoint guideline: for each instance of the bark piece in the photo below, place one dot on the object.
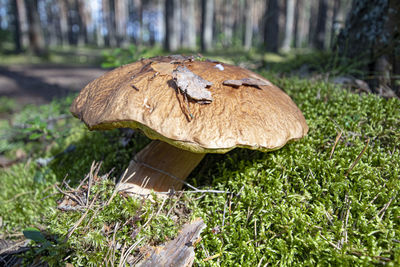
(178, 252)
(192, 85)
(247, 81)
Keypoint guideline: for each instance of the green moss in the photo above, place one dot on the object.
(292, 206)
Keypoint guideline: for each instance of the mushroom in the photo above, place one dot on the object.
(145, 95)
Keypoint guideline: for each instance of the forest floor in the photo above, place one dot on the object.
(328, 199)
(39, 84)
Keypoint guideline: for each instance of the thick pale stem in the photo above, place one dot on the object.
(159, 167)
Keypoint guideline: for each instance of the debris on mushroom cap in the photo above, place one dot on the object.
(252, 118)
(163, 68)
(247, 81)
(192, 85)
(178, 59)
(219, 66)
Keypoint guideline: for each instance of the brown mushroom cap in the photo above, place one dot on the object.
(143, 95)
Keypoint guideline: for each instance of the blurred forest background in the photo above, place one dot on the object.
(360, 36)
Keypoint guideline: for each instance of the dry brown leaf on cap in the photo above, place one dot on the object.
(247, 81)
(192, 85)
(163, 68)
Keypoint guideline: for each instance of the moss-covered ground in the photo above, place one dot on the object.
(318, 201)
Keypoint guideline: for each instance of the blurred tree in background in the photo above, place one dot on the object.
(372, 32)
(175, 24)
(351, 28)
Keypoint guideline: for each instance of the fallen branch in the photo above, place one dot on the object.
(178, 252)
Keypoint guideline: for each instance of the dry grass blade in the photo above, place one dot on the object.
(379, 258)
(90, 181)
(345, 220)
(18, 195)
(212, 257)
(260, 262)
(10, 248)
(152, 215)
(111, 248)
(124, 255)
(173, 206)
(223, 216)
(357, 159)
(335, 144)
(113, 242)
(198, 191)
(330, 243)
(76, 198)
(383, 210)
(73, 228)
(122, 180)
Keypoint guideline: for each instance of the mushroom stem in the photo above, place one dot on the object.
(159, 167)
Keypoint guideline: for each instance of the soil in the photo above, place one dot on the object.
(39, 84)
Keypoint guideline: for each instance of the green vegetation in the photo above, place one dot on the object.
(297, 205)
(56, 55)
(7, 105)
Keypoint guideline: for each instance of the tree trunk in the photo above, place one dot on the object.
(228, 23)
(178, 22)
(334, 23)
(17, 27)
(393, 27)
(372, 35)
(160, 26)
(112, 24)
(248, 24)
(287, 42)
(138, 7)
(207, 22)
(23, 23)
(312, 25)
(63, 17)
(51, 29)
(319, 37)
(100, 42)
(172, 25)
(302, 23)
(36, 39)
(82, 20)
(189, 31)
(121, 11)
(271, 29)
(109, 19)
